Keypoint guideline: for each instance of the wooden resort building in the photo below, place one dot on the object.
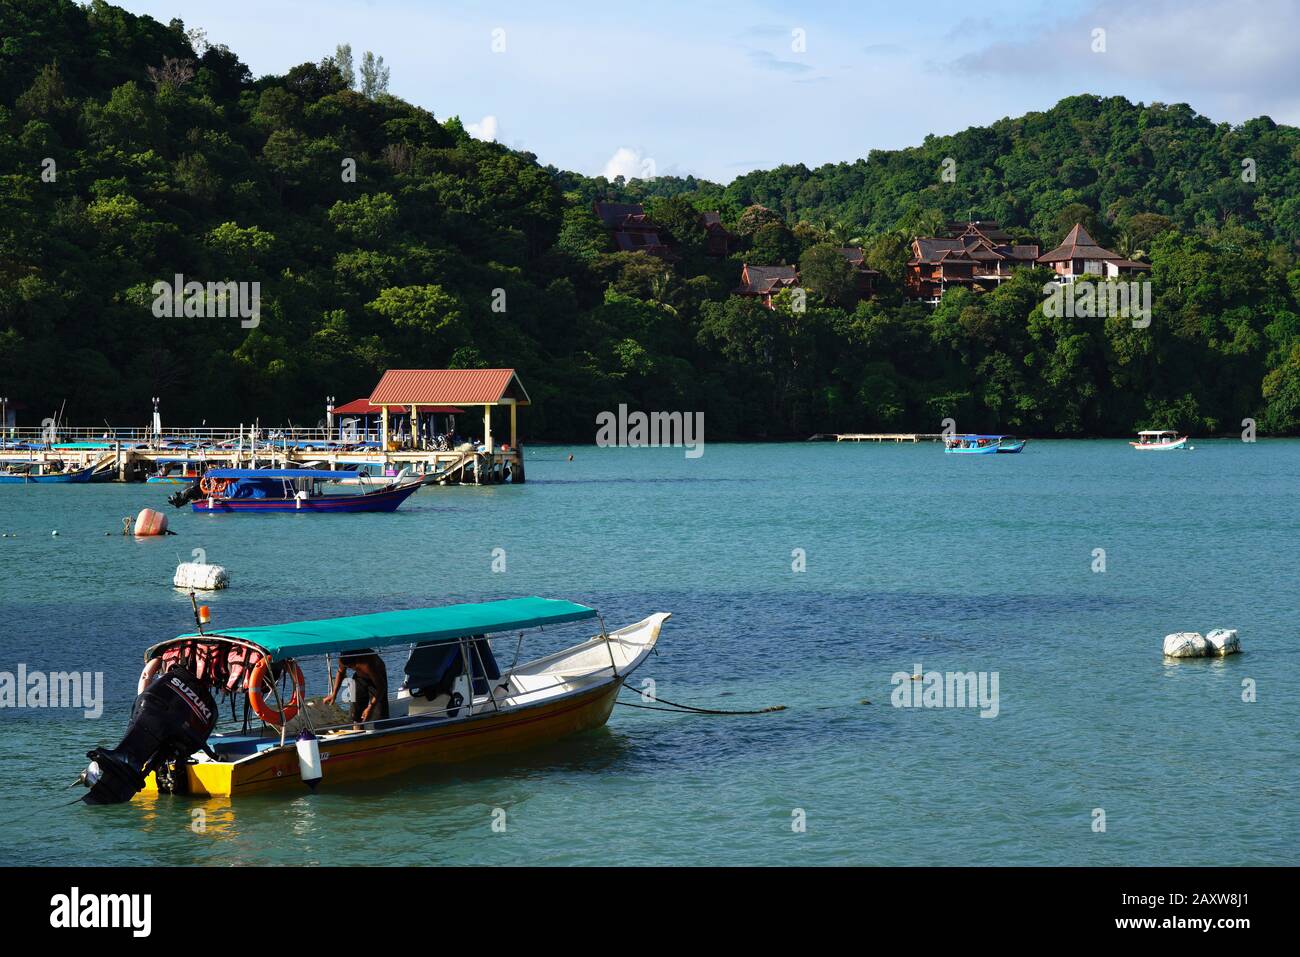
(764, 282)
(974, 254)
(633, 230)
(1080, 256)
(866, 276)
(719, 241)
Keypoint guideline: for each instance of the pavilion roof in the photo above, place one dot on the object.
(1078, 245)
(448, 387)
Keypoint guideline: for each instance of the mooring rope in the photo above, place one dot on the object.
(43, 808)
(674, 707)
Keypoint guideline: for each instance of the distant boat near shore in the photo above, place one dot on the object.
(1160, 440)
(972, 444)
(37, 474)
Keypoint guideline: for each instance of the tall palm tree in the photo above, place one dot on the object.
(1126, 245)
(663, 291)
(839, 232)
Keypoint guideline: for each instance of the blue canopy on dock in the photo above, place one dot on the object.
(389, 628)
(279, 474)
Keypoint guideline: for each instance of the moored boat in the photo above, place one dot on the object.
(1159, 440)
(174, 472)
(288, 490)
(35, 473)
(1010, 445)
(971, 444)
(456, 703)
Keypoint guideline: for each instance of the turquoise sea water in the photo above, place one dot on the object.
(958, 563)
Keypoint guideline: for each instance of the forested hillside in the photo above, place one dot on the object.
(1114, 157)
(132, 150)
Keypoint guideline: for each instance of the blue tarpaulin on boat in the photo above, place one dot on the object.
(389, 628)
(324, 474)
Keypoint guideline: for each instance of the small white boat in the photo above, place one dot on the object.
(1159, 440)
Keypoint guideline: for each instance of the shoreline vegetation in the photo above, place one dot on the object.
(382, 237)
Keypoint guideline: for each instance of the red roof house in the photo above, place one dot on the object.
(634, 231)
(977, 253)
(1079, 255)
(764, 282)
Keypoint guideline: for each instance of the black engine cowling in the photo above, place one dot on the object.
(191, 493)
(171, 719)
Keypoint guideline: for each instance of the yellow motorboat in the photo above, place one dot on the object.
(455, 702)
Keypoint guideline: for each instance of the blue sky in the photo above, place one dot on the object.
(718, 89)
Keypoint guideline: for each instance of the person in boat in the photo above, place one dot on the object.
(370, 684)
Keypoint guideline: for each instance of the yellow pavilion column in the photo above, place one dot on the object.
(514, 438)
(415, 425)
(487, 427)
(383, 428)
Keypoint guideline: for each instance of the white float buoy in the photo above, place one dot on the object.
(309, 759)
(55, 533)
(1191, 644)
(1222, 641)
(200, 575)
(1185, 644)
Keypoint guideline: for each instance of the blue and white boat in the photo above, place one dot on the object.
(287, 490)
(1159, 440)
(972, 444)
(35, 473)
(1010, 445)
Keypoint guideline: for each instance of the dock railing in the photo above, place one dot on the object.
(207, 436)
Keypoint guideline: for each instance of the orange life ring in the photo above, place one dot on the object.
(213, 487)
(257, 701)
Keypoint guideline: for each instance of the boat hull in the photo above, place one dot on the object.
(1012, 448)
(366, 756)
(386, 500)
(985, 450)
(1159, 446)
(62, 478)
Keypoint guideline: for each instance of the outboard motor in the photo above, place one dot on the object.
(185, 496)
(171, 719)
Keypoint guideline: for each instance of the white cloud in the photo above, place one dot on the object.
(569, 92)
(629, 164)
(484, 129)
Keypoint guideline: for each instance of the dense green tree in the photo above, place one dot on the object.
(826, 272)
(753, 218)
(131, 151)
(774, 245)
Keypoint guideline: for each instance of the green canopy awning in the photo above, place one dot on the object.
(388, 628)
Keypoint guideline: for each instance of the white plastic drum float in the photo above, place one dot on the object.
(1219, 643)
